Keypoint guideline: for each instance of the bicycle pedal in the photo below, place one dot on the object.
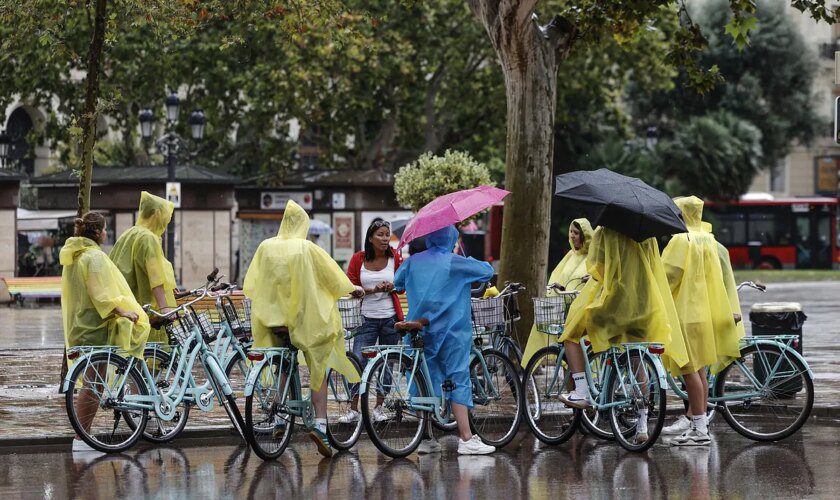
(448, 386)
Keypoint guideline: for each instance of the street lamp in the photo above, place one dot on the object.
(197, 122)
(652, 137)
(173, 107)
(5, 145)
(172, 146)
(147, 123)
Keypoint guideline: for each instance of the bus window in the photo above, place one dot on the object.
(731, 229)
(803, 241)
(763, 228)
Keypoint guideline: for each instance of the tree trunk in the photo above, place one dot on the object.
(94, 64)
(529, 57)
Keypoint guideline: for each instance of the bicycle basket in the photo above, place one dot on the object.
(488, 312)
(550, 314)
(234, 318)
(350, 310)
(205, 324)
(180, 330)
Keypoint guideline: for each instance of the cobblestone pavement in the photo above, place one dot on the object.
(31, 340)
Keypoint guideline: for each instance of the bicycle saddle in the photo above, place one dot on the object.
(408, 326)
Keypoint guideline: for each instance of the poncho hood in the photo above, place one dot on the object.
(295, 224)
(586, 228)
(443, 240)
(74, 247)
(155, 213)
(692, 210)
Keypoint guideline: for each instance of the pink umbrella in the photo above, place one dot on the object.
(451, 209)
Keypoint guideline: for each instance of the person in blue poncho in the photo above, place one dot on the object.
(437, 285)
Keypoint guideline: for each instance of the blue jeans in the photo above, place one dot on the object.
(372, 332)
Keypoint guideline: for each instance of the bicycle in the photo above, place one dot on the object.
(768, 376)
(399, 374)
(274, 398)
(125, 390)
(231, 339)
(632, 379)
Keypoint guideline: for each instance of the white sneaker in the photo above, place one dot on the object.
(80, 446)
(350, 417)
(677, 428)
(379, 415)
(577, 400)
(692, 437)
(428, 446)
(474, 447)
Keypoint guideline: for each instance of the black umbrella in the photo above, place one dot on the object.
(624, 204)
(398, 227)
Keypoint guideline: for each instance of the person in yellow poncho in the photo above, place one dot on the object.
(571, 268)
(292, 282)
(139, 256)
(626, 300)
(97, 306)
(707, 323)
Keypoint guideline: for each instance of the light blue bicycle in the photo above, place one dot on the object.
(109, 397)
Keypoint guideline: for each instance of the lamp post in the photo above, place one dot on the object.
(172, 146)
(5, 145)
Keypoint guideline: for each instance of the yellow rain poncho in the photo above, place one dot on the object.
(729, 282)
(627, 299)
(571, 267)
(139, 256)
(692, 264)
(91, 288)
(292, 282)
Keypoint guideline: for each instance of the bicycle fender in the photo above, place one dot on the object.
(252, 373)
(660, 369)
(370, 364)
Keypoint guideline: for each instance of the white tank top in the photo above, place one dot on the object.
(377, 305)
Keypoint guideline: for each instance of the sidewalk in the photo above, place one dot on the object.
(31, 340)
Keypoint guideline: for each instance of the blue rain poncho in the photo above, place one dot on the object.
(437, 284)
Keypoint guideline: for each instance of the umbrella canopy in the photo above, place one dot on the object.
(451, 209)
(319, 227)
(625, 204)
(398, 227)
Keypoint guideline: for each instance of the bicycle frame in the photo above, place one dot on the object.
(164, 403)
(431, 404)
(298, 407)
(783, 342)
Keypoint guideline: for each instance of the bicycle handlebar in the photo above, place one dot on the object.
(761, 287)
(213, 281)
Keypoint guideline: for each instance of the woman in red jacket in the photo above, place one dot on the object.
(373, 269)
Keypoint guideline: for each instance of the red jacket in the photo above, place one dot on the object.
(354, 272)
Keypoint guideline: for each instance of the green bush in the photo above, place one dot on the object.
(420, 182)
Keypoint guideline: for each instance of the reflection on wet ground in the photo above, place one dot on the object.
(803, 466)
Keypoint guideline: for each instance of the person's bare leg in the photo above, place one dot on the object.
(87, 403)
(702, 373)
(319, 400)
(694, 386)
(462, 417)
(574, 356)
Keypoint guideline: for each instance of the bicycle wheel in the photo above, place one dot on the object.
(634, 383)
(267, 424)
(392, 383)
(342, 436)
(597, 422)
(497, 398)
(162, 366)
(93, 402)
(551, 421)
(761, 404)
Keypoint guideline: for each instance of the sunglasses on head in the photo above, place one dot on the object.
(381, 223)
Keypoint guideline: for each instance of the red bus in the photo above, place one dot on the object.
(777, 233)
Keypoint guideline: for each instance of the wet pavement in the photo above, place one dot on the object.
(31, 339)
(804, 466)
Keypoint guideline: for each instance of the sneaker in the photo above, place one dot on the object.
(350, 417)
(321, 442)
(474, 447)
(576, 400)
(428, 446)
(677, 428)
(692, 437)
(80, 446)
(379, 415)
